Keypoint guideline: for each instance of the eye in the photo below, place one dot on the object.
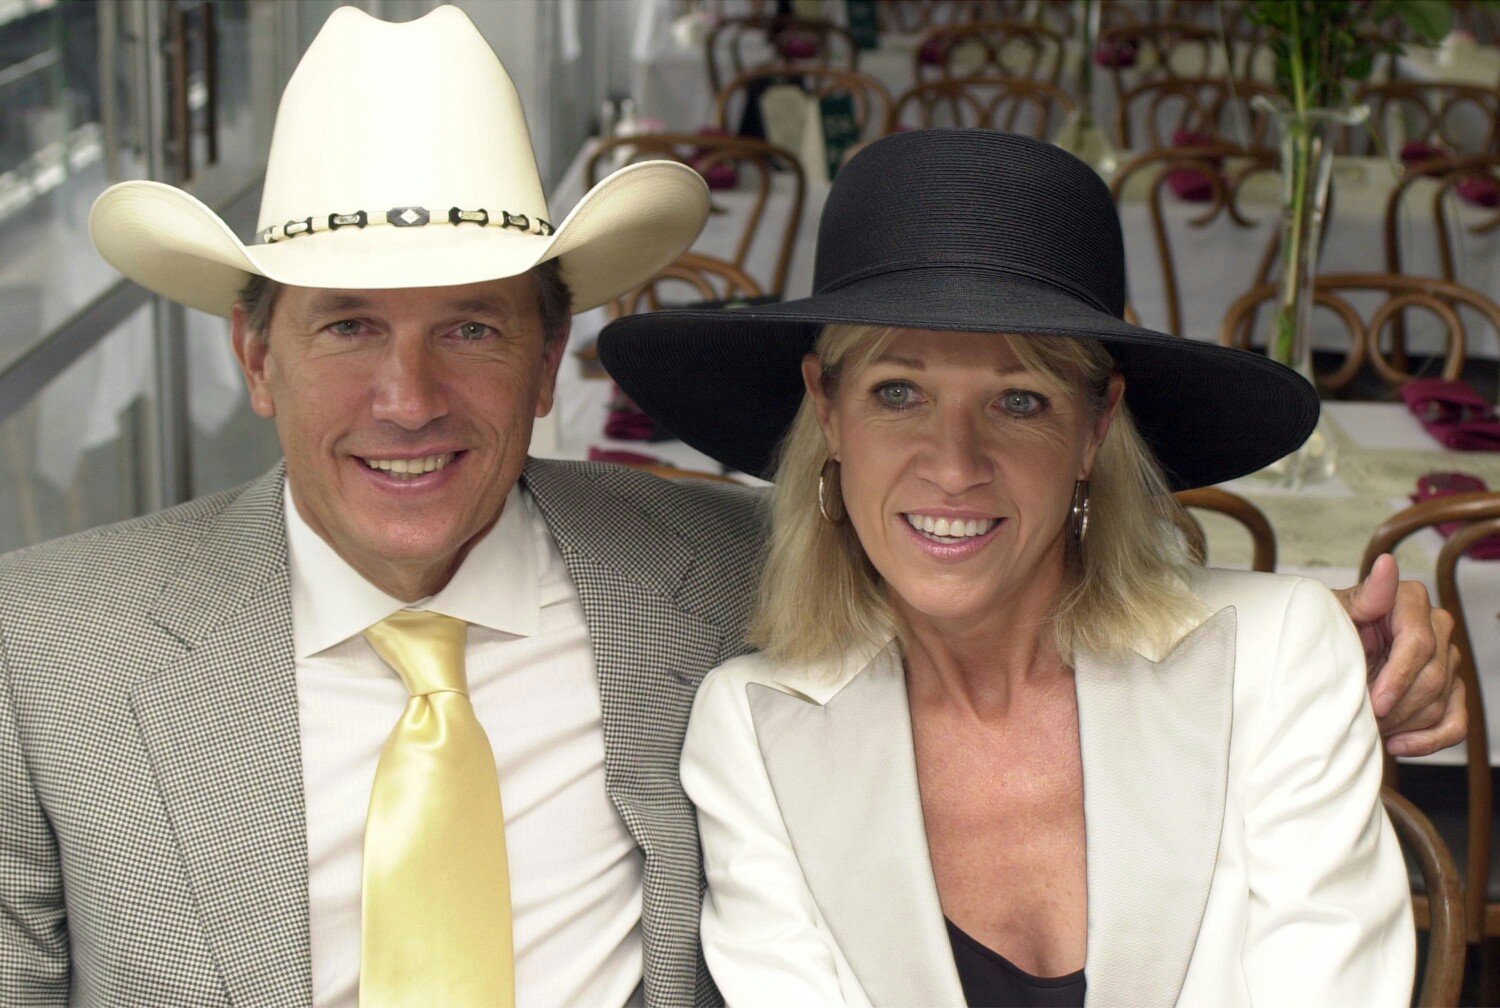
(346, 327)
(1020, 403)
(897, 394)
(473, 331)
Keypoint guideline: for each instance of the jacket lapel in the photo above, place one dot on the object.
(844, 772)
(650, 654)
(1155, 741)
(220, 724)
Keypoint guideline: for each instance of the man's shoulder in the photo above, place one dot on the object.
(134, 552)
(696, 509)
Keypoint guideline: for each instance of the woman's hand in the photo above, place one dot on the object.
(1412, 664)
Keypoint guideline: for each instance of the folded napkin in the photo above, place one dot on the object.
(621, 457)
(1444, 484)
(716, 171)
(932, 52)
(797, 47)
(1415, 152)
(1453, 413)
(1479, 190)
(1189, 183)
(626, 422)
(1115, 54)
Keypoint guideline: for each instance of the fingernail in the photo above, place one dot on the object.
(1399, 747)
(1383, 703)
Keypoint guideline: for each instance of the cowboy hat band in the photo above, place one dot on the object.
(401, 158)
(968, 230)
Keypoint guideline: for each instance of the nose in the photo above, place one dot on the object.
(409, 388)
(952, 453)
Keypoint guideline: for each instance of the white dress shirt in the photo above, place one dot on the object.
(575, 872)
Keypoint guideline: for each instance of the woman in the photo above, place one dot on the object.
(1002, 744)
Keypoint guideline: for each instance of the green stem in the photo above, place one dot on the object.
(1299, 137)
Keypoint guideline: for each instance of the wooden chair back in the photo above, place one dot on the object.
(1443, 975)
(1232, 505)
(1480, 515)
(1013, 104)
(1460, 118)
(694, 277)
(1151, 113)
(760, 165)
(736, 44)
(1161, 49)
(990, 48)
(1226, 168)
(1447, 174)
(872, 102)
(1440, 298)
(909, 17)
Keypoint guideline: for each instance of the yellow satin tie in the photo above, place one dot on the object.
(436, 898)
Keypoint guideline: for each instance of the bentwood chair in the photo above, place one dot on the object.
(1460, 119)
(1467, 831)
(737, 44)
(1151, 115)
(1442, 184)
(1013, 104)
(1231, 505)
(764, 170)
(990, 48)
(1396, 295)
(1442, 897)
(1152, 51)
(1224, 170)
(690, 278)
(871, 101)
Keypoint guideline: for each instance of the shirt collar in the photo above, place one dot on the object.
(496, 586)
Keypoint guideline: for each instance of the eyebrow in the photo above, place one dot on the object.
(345, 302)
(917, 365)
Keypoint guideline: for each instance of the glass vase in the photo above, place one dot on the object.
(1307, 141)
(1080, 134)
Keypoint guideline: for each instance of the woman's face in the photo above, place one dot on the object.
(958, 467)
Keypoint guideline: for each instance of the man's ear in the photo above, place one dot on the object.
(812, 379)
(1112, 399)
(552, 355)
(251, 349)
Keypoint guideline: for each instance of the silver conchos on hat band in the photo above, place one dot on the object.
(402, 217)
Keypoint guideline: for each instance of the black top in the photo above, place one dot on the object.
(992, 981)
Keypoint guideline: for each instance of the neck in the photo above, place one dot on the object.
(411, 582)
(978, 665)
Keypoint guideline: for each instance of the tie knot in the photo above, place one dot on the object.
(426, 648)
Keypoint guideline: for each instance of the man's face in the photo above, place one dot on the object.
(404, 414)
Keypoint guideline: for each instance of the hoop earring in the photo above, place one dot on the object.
(832, 510)
(1078, 516)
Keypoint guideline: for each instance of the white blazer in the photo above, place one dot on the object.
(1237, 850)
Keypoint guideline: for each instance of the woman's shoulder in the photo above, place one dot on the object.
(1262, 598)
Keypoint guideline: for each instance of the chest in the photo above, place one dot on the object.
(1003, 807)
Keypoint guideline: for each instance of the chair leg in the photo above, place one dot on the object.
(1489, 971)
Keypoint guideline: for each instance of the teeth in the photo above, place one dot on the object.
(950, 529)
(411, 467)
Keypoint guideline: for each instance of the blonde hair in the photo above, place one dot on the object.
(1125, 589)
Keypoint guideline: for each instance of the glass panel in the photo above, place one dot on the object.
(73, 457)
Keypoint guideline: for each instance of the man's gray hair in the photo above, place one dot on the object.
(554, 301)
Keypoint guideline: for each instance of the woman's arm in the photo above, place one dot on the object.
(763, 938)
(1330, 911)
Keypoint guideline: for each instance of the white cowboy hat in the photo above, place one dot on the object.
(401, 159)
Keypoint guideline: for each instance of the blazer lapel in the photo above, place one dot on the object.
(220, 723)
(649, 654)
(1155, 742)
(844, 773)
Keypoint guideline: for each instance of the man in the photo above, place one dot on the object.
(237, 737)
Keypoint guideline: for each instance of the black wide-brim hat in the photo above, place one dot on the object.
(969, 230)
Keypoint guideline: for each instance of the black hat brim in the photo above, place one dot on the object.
(729, 382)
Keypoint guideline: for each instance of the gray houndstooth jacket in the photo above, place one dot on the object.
(152, 823)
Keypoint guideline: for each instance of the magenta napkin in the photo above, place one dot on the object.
(1479, 190)
(1115, 54)
(1189, 183)
(797, 47)
(1444, 484)
(716, 171)
(621, 457)
(626, 422)
(931, 53)
(1453, 413)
